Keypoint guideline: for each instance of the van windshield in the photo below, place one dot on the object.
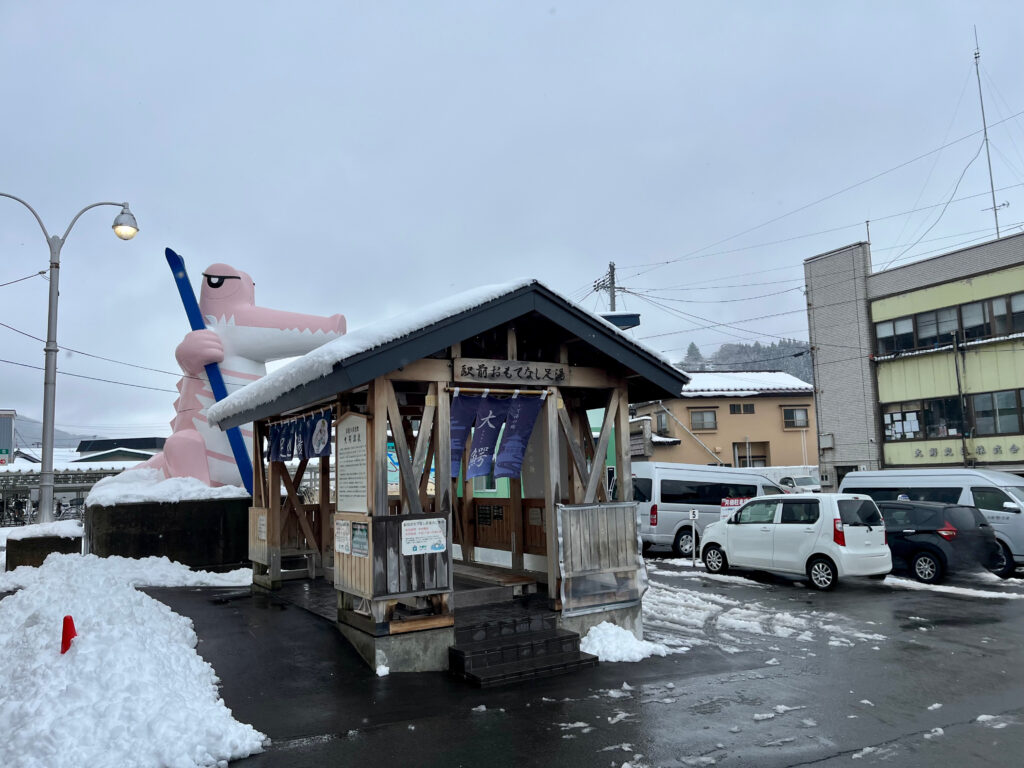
(859, 512)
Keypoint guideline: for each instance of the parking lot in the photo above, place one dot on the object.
(761, 671)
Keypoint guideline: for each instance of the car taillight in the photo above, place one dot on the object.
(838, 536)
(654, 515)
(947, 531)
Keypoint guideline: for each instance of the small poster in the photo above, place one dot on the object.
(343, 537)
(361, 539)
(536, 516)
(261, 527)
(424, 536)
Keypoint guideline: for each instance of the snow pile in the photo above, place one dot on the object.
(612, 643)
(146, 571)
(131, 690)
(147, 484)
(65, 529)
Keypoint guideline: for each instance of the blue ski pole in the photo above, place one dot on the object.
(195, 319)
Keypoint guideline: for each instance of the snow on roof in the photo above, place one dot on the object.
(743, 384)
(321, 361)
(65, 459)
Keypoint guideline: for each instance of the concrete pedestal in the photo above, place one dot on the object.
(34, 551)
(211, 534)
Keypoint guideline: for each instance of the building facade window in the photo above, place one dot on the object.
(996, 413)
(794, 418)
(943, 417)
(987, 318)
(902, 421)
(988, 413)
(735, 408)
(703, 420)
(662, 423)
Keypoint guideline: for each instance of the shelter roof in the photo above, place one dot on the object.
(380, 348)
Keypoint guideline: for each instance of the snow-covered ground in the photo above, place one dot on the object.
(131, 690)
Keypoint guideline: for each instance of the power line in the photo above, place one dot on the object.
(91, 378)
(40, 273)
(179, 374)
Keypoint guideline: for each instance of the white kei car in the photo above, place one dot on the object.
(822, 536)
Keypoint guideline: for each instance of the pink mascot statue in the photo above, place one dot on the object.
(242, 338)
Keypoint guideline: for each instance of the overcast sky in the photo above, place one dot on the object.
(366, 158)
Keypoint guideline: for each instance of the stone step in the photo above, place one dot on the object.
(505, 627)
(472, 657)
(531, 669)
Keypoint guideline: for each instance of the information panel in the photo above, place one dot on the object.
(422, 537)
(352, 463)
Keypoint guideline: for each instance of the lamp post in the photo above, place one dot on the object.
(125, 228)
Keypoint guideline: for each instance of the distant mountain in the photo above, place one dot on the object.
(789, 355)
(28, 435)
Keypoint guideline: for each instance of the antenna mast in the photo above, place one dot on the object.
(984, 126)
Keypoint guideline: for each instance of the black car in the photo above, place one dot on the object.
(932, 539)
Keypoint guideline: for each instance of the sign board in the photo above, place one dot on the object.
(424, 536)
(261, 527)
(694, 514)
(729, 505)
(361, 539)
(536, 516)
(343, 537)
(472, 370)
(351, 463)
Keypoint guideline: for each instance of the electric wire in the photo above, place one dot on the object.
(40, 273)
(91, 378)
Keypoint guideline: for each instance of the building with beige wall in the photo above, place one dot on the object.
(921, 365)
(738, 419)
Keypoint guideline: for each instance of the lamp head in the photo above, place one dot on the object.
(124, 225)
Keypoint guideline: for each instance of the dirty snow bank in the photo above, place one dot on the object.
(131, 690)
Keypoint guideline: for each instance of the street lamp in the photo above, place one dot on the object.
(125, 228)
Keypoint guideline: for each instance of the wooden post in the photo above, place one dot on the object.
(442, 465)
(379, 412)
(552, 493)
(515, 489)
(467, 529)
(623, 466)
(274, 516)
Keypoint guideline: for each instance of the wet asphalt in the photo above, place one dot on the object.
(861, 692)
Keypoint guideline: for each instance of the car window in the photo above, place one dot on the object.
(965, 518)
(771, 490)
(688, 492)
(642, 487)
(896, 518)
(926, 519)
(859, 512)
(989, 498)
(943, 495)
(799, 512)
(805, 481)
(757, 512)
(678, 492)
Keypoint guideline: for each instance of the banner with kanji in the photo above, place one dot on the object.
(463, 414)
(519, 423)
(490, 416)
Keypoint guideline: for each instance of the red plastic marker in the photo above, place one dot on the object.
(68, 633)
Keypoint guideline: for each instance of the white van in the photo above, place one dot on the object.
(999, 495)
(667, 493)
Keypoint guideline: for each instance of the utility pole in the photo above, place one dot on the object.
(607, 282)
(984, 128)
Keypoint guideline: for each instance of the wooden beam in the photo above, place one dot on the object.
(423, 439)
(513, 345)
(378, 402)
(574, 448)
(552, 494)
(467, 522)
(409, 485)
(442, 463)
(601, 450)
(427, 369)
(515, 486)
(623, 467)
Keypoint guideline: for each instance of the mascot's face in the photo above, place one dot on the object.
(224, 290)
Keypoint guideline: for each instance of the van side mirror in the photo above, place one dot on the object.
(1010, 506)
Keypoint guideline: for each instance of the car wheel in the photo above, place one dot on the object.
(927, 568)
(822, 574)
(714, 560)
(684, 542)
(1004, 565)
(646, 547)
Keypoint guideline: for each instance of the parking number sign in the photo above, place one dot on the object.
(694, 514)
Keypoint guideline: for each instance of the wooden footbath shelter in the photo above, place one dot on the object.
(497, 380)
